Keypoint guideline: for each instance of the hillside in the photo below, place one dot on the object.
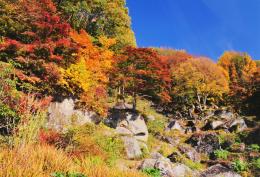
(79, 98)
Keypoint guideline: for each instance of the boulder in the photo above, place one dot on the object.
(137, 125)
(63, 114)
(165, 166)
(126, 121)
(190, 153)
(224, 114)
(123, 131)
(132, 128)
(174, 125)
(181, 170)
(167, 169)
(132, 147)
(122, 106)
(231, 125)
(237, 125)
(216, 124)
(204, 142)
(150, 118)
(219, 171)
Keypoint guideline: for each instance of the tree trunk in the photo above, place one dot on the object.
(134, 101)
(205, 100)
(199, 101)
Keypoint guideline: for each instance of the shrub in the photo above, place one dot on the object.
(152, 172)
(240, 166)
(221, 154)
(60, 174)
(156, 126)
(113, 147)
(254, 147)
(256, 163)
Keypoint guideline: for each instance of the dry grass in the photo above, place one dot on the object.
(34, 160)
(43, 160)
(97, 168)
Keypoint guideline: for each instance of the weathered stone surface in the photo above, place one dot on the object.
(136, 124)
(181, 170)
(122, 105)
(167, 169)
(150, 117)
(132, 147)
(237, 125)
(190, 153)
(128, 122)
(218, 171)
(174, 125)
(205, 142)
(224, 114)
(63, 114)
(123, 131)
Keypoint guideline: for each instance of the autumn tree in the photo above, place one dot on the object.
(172, 56)
(241, 70)
(40, 45)
(100, 18)
(140, 71)
(198, 81)
(87, 79)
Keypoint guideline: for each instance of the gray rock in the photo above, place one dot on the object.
(205, 142)
(132, 147)
(122, 106)
(148, 163)
(219, 171)
(190, 153)
(129, 120)
(216, 124)
(136, 124)
(167, 169)
(63, 114)
(174, 125)
(124, 131)
(224, 114)
(150, 117)
(181, 170)
(238, 125)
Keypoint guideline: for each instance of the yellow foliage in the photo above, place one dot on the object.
(201, 77)
(88, 78)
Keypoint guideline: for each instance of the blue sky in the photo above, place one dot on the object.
(201, 27)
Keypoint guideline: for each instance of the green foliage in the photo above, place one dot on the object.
(256, 163)
(152, 172)
(156, 126)
(61, 174)
(221, 154)
(113, 146)
(100, 18)
(191, 164)
(254, 147)
(240, 166)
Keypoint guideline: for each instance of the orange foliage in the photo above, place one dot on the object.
(241, 70)
(88, 78)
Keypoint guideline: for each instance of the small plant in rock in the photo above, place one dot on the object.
(221, 154)
(254, 147)
(240, 166)
(60, 174)
(153, 172)
(256, 163)
(156, 126)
